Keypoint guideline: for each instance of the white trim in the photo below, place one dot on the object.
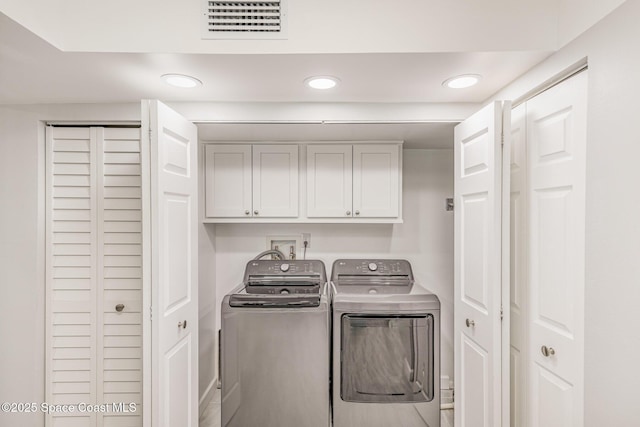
(145, 176)
(554, 80)
(207, 396)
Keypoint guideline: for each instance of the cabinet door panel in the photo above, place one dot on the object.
(228, 181)
(376, 180)
(275, 180)
(329, 181)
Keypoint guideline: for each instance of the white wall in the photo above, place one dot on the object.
(22, 290)
(425, 238)
(612, 340)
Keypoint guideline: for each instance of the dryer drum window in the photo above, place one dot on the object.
(387, 358)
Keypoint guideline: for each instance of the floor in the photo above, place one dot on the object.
(211, 415)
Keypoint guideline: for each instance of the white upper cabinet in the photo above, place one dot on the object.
(376, 181)
(343, 182)
(354, 181)
(228, 181)
(275, 181)
(329, 181)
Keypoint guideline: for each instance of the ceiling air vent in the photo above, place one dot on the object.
(245, 19)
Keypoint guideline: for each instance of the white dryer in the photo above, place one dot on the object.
(386, 346)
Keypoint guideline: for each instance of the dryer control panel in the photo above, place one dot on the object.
(389, 271)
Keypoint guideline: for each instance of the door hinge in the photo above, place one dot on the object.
(150, 312)
(502, 138)
(449, 204)
(501, 313)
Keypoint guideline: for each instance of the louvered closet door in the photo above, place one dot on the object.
(94, 351)
(120, 274)
(71, 273)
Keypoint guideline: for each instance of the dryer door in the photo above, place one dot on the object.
(387, 358)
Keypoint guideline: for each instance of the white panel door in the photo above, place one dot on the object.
(556, 136)
(518, 262)
(174, 268)
(228, 181)
(376, 181)
(275, 181)
(478, 269)
(329, 181)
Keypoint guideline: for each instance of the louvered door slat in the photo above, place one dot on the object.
(94, 262)
(121, 258)
(71, 270)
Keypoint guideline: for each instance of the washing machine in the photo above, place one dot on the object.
(386, 346)
(275, 346)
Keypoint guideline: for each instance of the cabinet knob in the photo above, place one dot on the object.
(182, 324)
(247, 212)
(348, 213)
(357, 212)
(255, 212)
(119, 307)
(470, 323)
(547, 351)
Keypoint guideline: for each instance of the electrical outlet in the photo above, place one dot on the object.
(306, 237)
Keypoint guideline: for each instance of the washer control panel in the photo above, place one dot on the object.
(301, 269)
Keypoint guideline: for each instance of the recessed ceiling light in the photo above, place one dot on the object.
(463, 81)
(181, 80)
(322, 82)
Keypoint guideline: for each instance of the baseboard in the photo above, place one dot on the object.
(207, 396)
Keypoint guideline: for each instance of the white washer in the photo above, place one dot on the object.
(386, 346)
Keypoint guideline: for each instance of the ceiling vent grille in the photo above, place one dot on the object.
(245, 19)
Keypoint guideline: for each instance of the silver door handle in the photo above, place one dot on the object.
(119, 307)
(470, 323)
(547, 351)
(182, 325)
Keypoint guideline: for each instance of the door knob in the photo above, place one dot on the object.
(182, 325)
(470, 323)
(547, 351)
(119, 307)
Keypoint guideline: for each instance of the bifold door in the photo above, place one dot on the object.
(478, 268)
(172, 145)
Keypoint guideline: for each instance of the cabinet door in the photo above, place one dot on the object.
(228, 181)
(275, 180)
(376, 180)
(329, 181)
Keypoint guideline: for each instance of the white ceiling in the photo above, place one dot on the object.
(33, 71)
(382, 54)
